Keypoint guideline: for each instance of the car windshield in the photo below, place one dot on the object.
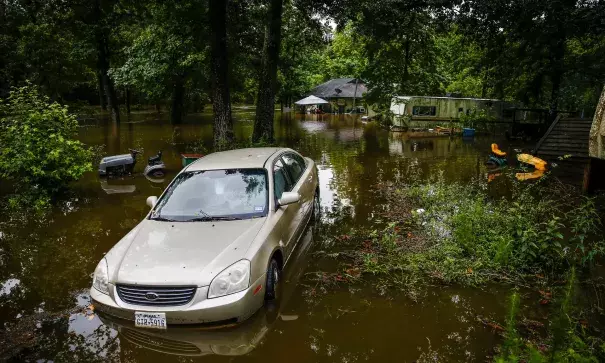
(208, 195)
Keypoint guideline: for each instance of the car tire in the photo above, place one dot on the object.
(273, 280)
(316, 216)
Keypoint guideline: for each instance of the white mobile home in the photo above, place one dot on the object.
(429, 108)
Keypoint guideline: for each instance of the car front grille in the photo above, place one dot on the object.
(160, 344)
(156, 295)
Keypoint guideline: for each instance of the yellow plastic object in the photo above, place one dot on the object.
(497, 151)
(528, 176)
(538, 163)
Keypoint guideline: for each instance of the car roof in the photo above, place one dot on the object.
(235, 159)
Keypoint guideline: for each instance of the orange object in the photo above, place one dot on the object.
(497, 151)
(538, 163)
(528, 176)
(492, 176)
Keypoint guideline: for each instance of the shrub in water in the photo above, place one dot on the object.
(470, 238)
(37, 146)
(497, 237)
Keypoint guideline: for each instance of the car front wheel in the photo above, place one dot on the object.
(273, 280)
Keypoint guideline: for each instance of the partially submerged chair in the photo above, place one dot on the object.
(497, 157)
(497, 152)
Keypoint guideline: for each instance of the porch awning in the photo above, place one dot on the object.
(311, 100)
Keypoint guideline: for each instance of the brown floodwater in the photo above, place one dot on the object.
(46, 265)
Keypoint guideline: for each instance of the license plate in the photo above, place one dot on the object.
(150, 320)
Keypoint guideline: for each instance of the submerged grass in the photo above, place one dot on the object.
(457, 234)
(569, 340)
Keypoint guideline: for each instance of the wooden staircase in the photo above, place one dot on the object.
(566, 144)
(566, 136)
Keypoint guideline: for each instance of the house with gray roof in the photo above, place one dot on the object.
(340, 92)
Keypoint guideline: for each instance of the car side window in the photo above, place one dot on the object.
(280, 179)
(295, 166)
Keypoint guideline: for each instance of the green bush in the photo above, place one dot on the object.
(528, 234)
(458, 234)
(38, 151)
(476, 118)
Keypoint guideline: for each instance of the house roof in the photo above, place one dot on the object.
(346, 87)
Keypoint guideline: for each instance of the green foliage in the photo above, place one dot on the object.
(162, 48)
(38, 151)
(458, 62)
(476, 118)
(469, 238)
(536, 52)
(511, 348)
(399, 42)
(345, 56)
(568, 343)
(505, 237)
(302, 63)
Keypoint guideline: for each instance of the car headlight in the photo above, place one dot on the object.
(234, 278)
(100, 279)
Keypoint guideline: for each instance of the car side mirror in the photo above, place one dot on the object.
(151, 201)
(288, 198)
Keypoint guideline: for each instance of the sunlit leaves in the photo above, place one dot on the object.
(38, 150)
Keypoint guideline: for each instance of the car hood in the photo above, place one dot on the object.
(181, 253)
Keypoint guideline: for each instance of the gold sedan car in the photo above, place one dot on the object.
(213, 246)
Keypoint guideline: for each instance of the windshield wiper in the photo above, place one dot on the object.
(211, 218)
(163, 219)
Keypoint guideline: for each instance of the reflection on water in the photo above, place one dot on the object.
(46, 265)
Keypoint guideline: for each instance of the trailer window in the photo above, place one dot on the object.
(424, 111)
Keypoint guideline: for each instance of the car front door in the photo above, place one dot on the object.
(296, 168)
(285, 214)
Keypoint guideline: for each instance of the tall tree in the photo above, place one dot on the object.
(221, 102)
(543, 53)
(165, 53)
(100, 10)
(265, 101)
(303, 39)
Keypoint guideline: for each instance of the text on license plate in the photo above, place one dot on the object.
(150, 320)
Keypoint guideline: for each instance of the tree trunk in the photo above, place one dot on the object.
(176, 109)
(128, 98)
(265, 104)
(103, 64)
(221, 98)
(102, 100)
(112, 100)
(596, 139)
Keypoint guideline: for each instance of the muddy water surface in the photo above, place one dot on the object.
(46, 265)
